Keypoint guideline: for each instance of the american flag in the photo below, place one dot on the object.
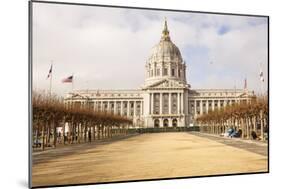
(50, 71)
(68, 79)
(261, 76)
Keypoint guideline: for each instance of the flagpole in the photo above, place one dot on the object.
(51, 78)
(262, 89)
(262, 81)
(72, 83)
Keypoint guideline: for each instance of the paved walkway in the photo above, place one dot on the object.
(258, 147)
(146, 156)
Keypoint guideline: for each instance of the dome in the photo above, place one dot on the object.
(165, 61)
(165, 49)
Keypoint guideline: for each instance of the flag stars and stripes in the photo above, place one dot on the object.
(68, 79)
(50, 72)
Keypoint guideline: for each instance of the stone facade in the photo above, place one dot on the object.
(165, 99)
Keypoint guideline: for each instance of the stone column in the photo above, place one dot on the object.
(160, 103)
(149, 105)
(135, 108)
(108, 106)
(201, 107)
(121, 108)
(94, 103)
(195, 108)
(128, 108)
(152, 103)
(182, 104)
(178, 104)
(170, 103)
(207, 106)
(141, 107)
(101, 106)
(219, 104)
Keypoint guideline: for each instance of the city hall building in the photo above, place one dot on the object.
(165, 99)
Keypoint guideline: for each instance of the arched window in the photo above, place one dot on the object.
(156, 123)
(175, 122)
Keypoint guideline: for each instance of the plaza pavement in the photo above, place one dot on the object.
(147, 156)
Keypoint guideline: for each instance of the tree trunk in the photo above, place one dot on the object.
(261, 120)
(255, 124)
(37, 134)
(247, 128)
(85, 132)
(79, 131)
(63, 133)
(102, 132)
(43, 136)
(98, 127)
(55, 134)
(94, 132)
(48, 134)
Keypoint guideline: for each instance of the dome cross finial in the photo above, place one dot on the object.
(165, 32)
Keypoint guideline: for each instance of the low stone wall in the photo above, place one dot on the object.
(162, 129)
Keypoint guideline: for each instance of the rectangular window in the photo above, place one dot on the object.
(174, 103)
(165, 103)
(156, 100)
(165, 71)
(173, 72)
(158, 72)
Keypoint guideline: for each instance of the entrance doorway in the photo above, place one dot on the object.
(175, 122)
(166, 123)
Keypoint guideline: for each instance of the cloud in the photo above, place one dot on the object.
(107, 48)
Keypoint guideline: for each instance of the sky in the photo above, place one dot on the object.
(107, 48)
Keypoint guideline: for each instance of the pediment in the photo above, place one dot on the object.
(166, 83)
